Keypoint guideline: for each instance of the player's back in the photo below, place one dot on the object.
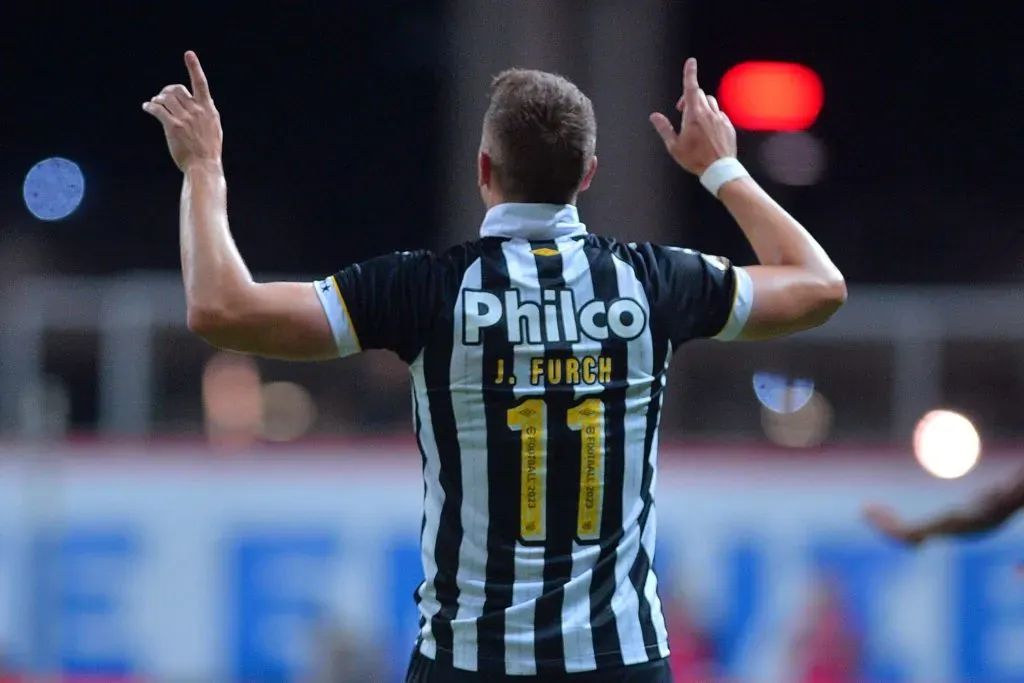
(537, 396)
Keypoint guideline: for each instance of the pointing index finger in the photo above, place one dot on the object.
(690, 84)
(200, 86)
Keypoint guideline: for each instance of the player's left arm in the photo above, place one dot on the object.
(796, 286)
(698, 296)
(694, 295)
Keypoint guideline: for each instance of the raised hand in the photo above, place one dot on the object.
(705, 135)
(190, 120)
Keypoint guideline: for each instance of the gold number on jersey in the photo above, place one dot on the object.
(529, 419)
(588, 419)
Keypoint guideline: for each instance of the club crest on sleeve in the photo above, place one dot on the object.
(719, 262)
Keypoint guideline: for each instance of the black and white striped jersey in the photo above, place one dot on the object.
(538, 356)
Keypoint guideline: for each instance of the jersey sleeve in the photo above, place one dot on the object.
(382, 303)
(698, 296)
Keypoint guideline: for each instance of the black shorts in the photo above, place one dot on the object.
(423, 670)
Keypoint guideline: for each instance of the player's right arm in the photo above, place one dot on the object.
(795, 286)
(383, 303)
(987, 513)
(226, 307)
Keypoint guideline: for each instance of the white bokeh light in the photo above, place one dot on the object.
(946, 444)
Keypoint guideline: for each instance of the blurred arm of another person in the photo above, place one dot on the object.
(990, 511)
(378, 304)
(796, 286)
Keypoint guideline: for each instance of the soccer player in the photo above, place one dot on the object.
(537, 355)
(989, 512)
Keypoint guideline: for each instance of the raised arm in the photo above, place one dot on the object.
(987, 513)
(225, 306)
(796, 286)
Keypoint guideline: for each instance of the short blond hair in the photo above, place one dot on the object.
(541, 133)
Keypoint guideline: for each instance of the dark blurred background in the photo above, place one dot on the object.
(334, 111)
(351, 130)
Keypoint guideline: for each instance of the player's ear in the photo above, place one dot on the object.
(589, 176)
(484, 169)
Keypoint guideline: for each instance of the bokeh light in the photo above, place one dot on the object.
(806, 427)
(946, 444)
(54, 189)
(771, 96)
(232, 399)
(796, 159)
(288, 411)
(782, 394)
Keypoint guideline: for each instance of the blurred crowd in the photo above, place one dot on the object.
(826, 646)
(825, 649)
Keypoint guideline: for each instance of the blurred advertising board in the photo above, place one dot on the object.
(169, 563)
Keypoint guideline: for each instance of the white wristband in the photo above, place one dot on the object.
(721, 172)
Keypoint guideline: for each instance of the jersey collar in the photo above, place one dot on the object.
(532, 221)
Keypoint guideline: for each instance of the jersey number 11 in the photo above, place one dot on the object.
(529, 418)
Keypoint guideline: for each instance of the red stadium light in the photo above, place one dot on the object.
(771, 96)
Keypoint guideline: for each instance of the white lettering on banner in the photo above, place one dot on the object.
(527, 322)
(268, 547)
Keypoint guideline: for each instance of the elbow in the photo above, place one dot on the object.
(821, 302)
(830, 296)
(834, 295)
(218, 320)
(212, 324)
